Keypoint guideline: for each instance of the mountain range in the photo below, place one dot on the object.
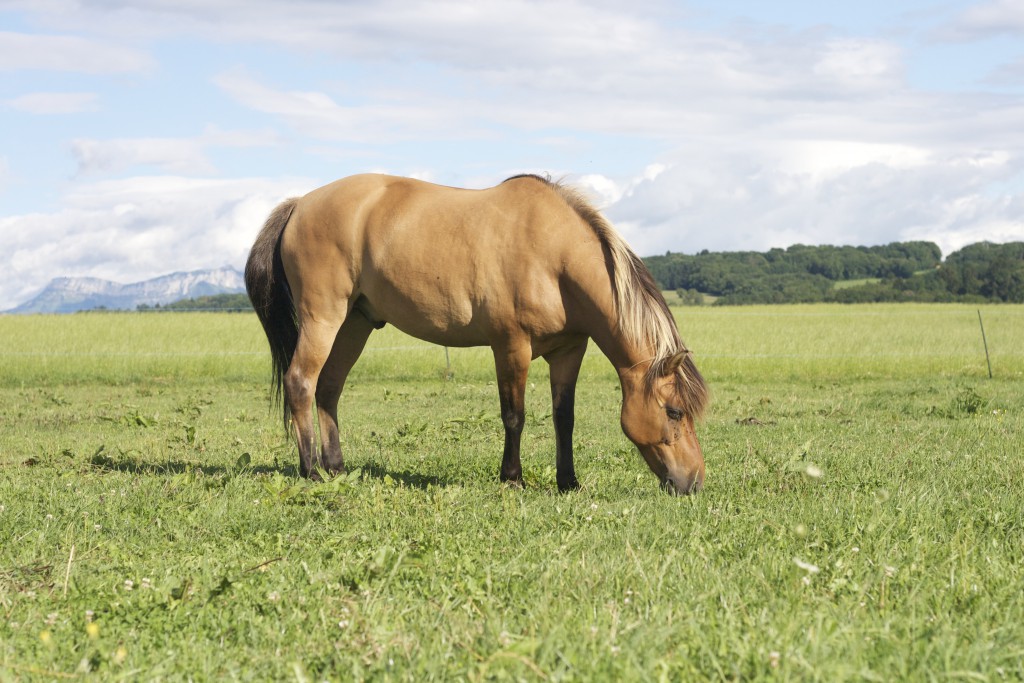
(71, 294)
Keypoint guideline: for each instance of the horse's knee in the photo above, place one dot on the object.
(513, 420)
(298, 389)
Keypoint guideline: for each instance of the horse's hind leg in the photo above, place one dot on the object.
(347, 346)
(314, 346)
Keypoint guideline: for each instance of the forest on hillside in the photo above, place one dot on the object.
(901, 271)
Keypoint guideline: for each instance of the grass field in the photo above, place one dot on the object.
(863, 516)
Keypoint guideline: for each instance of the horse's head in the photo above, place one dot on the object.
(659, 406)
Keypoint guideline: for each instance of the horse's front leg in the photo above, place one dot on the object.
(565, 369)
(512, 364)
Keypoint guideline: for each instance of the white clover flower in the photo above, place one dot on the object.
(806, 566)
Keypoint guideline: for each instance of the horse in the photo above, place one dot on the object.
(529, 268)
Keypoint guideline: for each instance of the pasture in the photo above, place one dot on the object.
(862, 519)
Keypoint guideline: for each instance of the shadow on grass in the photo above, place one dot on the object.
(133, 466)
(412, 480)
(172, 467)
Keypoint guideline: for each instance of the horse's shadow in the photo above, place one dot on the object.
(413, 480)
(370, 470)
(131, 465)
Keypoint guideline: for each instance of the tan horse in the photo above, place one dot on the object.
(528, 268)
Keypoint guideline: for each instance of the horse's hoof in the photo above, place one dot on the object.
(567, 486)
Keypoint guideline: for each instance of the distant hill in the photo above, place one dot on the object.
(901, 271)
(72, 294)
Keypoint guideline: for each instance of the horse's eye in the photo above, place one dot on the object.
(674, 413)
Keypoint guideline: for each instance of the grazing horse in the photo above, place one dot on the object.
(528, 267)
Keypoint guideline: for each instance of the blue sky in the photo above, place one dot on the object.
(139, 138)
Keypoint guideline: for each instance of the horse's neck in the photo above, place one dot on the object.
(594, 300)
(629, 361)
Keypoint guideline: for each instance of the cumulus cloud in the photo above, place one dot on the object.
(134, 229)
(756, 203)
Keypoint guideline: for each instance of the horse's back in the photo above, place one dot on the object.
(450, 265)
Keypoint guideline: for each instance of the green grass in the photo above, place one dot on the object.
(863, 516)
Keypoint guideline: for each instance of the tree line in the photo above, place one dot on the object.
(901, 271)
(214, 302)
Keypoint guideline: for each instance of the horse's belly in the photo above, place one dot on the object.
(437, 319)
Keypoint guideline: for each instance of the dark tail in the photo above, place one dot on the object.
(271, 297)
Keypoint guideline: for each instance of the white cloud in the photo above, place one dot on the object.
(319, 115)
(169, 155)
(988, 19)
(134, 229)
(859, 64)
(824, 158)
(55, 102)
(173, 155)
(754, 204)
(21, 51)
(1008, 74)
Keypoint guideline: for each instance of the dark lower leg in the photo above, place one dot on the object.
(512, 417)
(565, 369)
(563, 401)
(512, 365)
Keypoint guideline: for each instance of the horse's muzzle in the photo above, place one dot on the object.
(683, 485)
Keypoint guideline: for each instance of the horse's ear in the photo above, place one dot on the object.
(676, 360)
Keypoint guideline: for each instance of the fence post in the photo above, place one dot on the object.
(985, 342)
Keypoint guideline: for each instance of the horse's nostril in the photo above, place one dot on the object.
(682, 486)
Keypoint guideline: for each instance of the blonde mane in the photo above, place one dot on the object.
(644, 318)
